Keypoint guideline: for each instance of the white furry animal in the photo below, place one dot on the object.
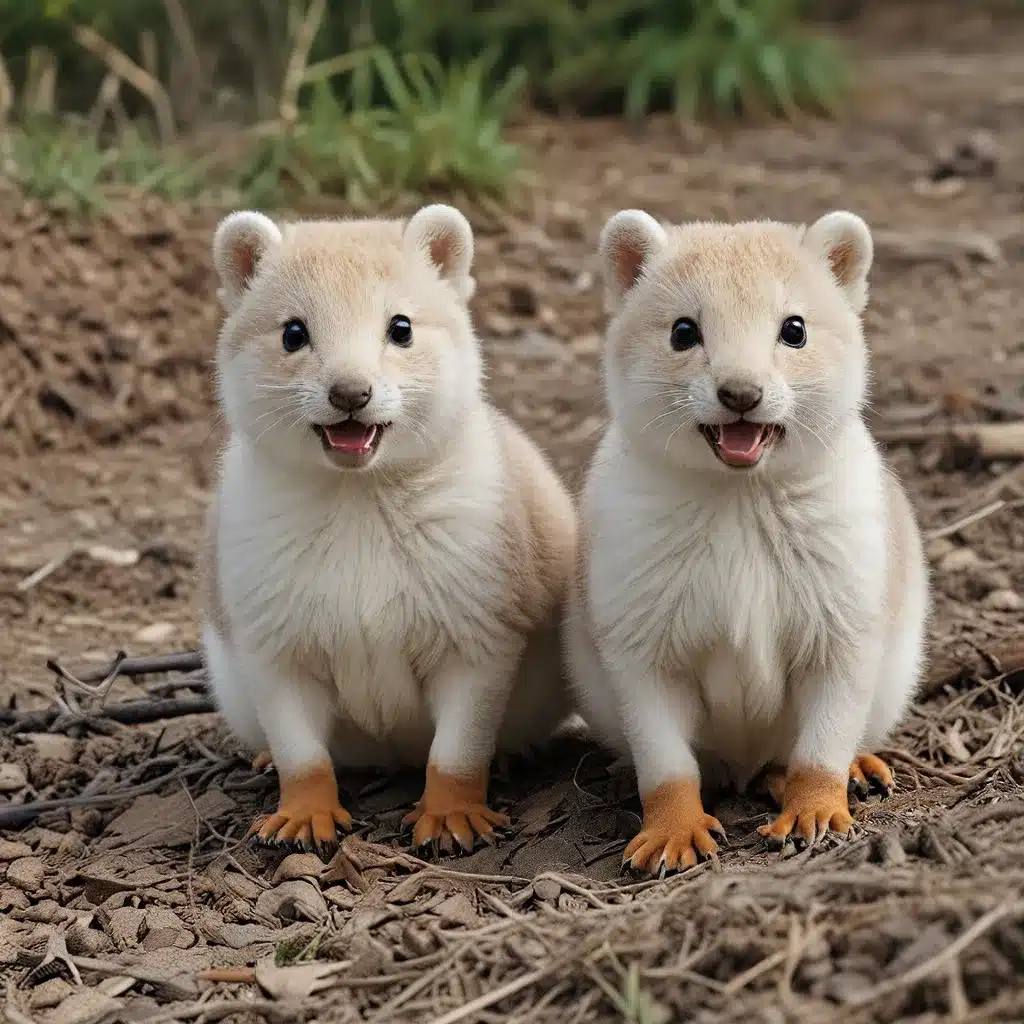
(387, 554)
(752, 591)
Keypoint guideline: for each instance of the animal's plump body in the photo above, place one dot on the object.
(384, 576)
(752, 591)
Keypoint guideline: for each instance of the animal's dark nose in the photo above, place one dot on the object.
(350, 395)
(740, 396)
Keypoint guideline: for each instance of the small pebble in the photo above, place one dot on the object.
(11, 850)
(547, 889)
(27, 873)
(124, 925)
(122, 557)
(1004, 601)
(52, 746)
(155, 633)
(959, 560)
(12, 777)
(85, 941)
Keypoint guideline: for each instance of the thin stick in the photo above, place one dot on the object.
(495, 996)
(136, 76)
(943, 957)
(229, 975)
(186, 40)
(972, 517)
(289, 109)
(15, 817)
(34, 579)
(6, 103)
(226, 1008)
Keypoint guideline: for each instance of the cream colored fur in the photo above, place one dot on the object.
(741, 617)
(399, 611)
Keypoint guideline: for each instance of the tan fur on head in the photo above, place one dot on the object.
(843, 240)
(738, 283)
(346, 280)
(241, 241)
(628, 243)
(446, 237)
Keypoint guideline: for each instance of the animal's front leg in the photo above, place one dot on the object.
(832, 711)
(468, 703)
(677, 831)
(295, 720)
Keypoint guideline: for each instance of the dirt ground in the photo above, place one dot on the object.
(108, 431)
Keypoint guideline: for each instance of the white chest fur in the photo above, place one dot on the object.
(730, 588)
(364, 588)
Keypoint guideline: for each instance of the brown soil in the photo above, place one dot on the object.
(108, 428)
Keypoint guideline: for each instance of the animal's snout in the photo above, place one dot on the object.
(350, 395)
(740, 395)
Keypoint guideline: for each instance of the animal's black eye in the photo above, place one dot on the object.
(400, 331)
(685, 334)
(294, 335)
(793, 332)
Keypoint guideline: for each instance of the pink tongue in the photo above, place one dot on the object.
(740, 442)
(350, 436)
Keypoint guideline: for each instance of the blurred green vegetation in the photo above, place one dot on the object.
(255, 100)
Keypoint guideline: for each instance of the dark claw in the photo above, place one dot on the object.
(325, 851)
(878, 785)
(858, 789)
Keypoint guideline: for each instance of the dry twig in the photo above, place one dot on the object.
(123, 66)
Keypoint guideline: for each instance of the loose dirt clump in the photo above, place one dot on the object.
(126, 890)
(105, 325)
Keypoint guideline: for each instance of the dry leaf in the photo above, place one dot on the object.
(297, 900)
(298, 981)
(298, 865)
(154, 821)
(458, 909)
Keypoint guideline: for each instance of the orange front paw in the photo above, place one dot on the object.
(453, 808)
(308, 812)
(813, 802)
(263, 761)
(676, 831)
(867, 773)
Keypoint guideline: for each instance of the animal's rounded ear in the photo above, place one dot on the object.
(444, 234)
(628, 242)
(844, 242)
(242, 239)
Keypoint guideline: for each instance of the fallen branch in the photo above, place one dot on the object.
(123, 66)
(21, 814)
(937, 246)
(129, 712)
(1000, 659)
(183, 661)
(988, 440)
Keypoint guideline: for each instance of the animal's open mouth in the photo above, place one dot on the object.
(741, 444)
(351, 442)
